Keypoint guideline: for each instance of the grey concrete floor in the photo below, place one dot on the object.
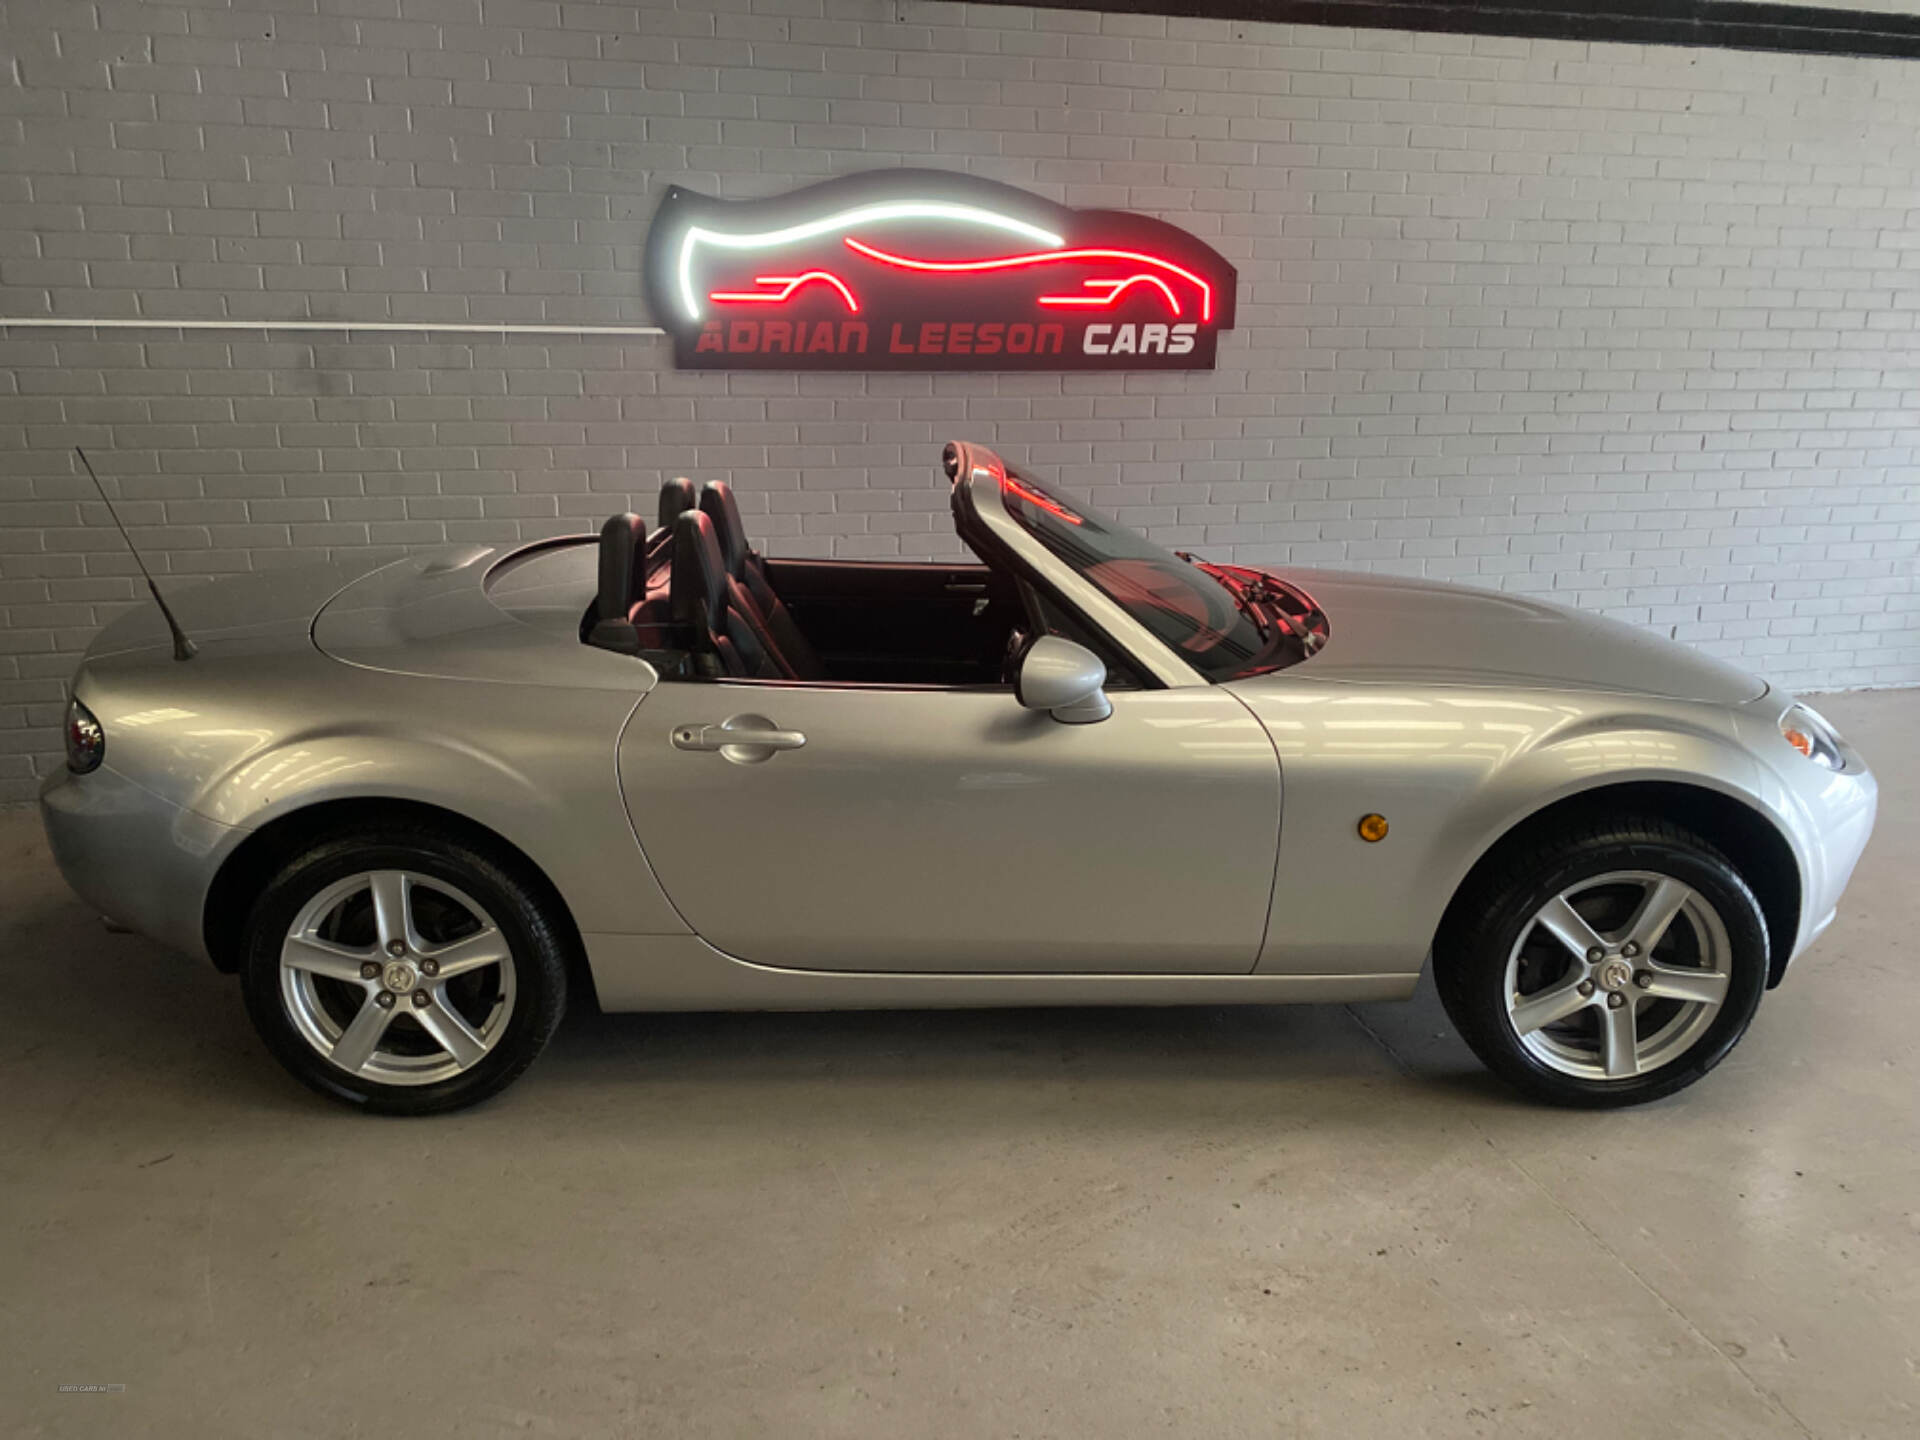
(1224, 1222)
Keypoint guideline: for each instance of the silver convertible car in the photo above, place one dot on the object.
(420, 811)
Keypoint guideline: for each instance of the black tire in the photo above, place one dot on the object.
(1492, 916)
(517, 909)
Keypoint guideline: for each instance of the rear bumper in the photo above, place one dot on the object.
(139, 860)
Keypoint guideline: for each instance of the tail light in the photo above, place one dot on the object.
(86, 740)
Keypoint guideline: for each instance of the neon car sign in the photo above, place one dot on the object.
(923, 270)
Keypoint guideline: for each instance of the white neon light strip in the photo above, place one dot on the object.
(46, 322)
(859, 215)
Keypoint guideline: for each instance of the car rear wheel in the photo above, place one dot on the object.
(1607, 966)
(402, 971)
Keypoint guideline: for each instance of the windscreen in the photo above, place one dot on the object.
(1185, 608)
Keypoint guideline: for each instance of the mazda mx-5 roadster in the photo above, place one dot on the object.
(421, 811)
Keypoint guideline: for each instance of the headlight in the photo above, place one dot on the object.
(1812, 737)
(86, 741)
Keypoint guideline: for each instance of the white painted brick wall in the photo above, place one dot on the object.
(1632, 327)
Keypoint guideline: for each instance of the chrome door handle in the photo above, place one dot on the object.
(718, 737)
(744, 739)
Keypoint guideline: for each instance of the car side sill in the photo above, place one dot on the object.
(683, 972)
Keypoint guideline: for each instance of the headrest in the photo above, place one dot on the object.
(718, 505)
(622, 540)
(675, 496)
(698, 589)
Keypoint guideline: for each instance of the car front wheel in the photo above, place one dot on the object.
(1610, 965)
(402, 971)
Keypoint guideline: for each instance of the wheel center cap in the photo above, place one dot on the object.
(398, 976)
(1613, 974)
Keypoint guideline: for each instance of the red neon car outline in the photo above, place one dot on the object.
(1041, 257)
(792, 283)
(1115, 289)
(1108, 289)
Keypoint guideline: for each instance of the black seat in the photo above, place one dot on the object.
(715, 611)
(676, 497)
(623, 575)
(625, 550)
(744, 564)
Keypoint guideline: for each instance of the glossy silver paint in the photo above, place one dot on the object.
(934, 830)
(916, 846)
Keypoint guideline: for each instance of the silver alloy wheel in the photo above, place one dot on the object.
(355, 962)
(1634, 990)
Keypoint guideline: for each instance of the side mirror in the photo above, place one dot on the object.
(1067, 679)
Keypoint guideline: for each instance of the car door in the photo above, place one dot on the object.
(869, 828)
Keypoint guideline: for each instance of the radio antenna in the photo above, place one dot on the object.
(183, 648)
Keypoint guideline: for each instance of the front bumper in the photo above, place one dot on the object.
(1828, 815)
(1839, 822)
(142, 862)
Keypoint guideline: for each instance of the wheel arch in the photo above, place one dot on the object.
(254, 861)
(1741, 831)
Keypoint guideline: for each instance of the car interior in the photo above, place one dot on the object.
(695, 599)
